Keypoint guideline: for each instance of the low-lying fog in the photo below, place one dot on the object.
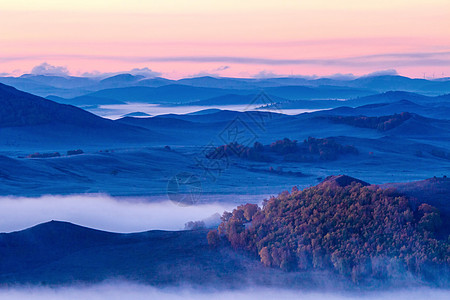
(117, 111)
(136, 292)
(102, 212)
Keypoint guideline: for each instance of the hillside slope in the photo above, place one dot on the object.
(343, 224)
(60, 252)
(26, 119)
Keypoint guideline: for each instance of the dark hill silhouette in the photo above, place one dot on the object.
(231, 99)
(392, 96)
(155, 82)
(173, 93)
(62, 82)
(23, 109)
(137, 114)
(152, 122)
(49, 122)
(342, 181)
(402, 124)
(320, 92)
(435, 191)
(60, 252)
(433, 109)
(424, 127)
(229, 115)
(378, 104)
(396, 83)
(84, 101)
(121, 78)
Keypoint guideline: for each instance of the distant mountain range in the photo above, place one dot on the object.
(69, 87)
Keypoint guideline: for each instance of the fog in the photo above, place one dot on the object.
(136, 292)
(116, 111)
(101, 212)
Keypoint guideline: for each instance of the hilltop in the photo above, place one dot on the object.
(356, 230)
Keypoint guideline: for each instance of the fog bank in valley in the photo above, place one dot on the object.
(102, 212)
(113, 291)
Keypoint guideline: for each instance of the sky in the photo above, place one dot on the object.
(236, 38)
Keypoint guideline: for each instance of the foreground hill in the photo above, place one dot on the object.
(60, 252)
(434, 191)
(343, 224)
(339, 231)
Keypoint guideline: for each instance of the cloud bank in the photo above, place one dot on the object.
(102, 212)
(392, 59)
(146, 72)
(113, 291)
(50, 70)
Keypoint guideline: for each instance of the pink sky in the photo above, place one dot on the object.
(178, 38)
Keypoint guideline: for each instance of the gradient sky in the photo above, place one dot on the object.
(177, 38)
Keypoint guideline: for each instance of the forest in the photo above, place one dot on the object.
(359, 231)
(383, 123)
(311, 150)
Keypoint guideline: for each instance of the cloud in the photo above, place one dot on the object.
(127, 290)
(266, 74)
(102, 212)
(47, 69)
(213, 72)
(390, 72)
(340, 76)
(222, 68)
(146, 72)
(94, 73)
(270, 74)
(401, 59)
(384, 60)
(376, 60)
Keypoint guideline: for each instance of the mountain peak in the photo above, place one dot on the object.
(342, 181)
(122, 77)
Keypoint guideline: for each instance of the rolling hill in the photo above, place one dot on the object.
(173, 93)
(343, 224)
(26, 119)
(60, 252)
